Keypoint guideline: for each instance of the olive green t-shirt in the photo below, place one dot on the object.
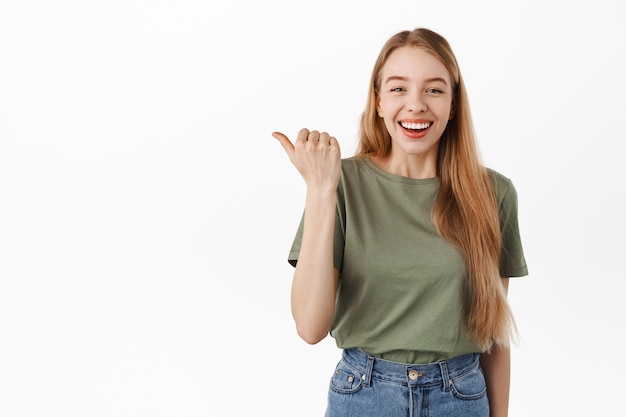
(401, 283)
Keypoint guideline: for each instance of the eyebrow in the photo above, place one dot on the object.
(428, 80)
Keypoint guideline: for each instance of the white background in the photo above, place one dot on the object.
(146, 212)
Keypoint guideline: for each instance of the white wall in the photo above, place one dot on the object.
(146, 212)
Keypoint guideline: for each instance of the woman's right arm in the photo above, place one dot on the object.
(318, 159)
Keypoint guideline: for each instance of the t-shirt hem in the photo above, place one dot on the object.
(521, 271)
(293, 258)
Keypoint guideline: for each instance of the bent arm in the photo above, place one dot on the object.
(496, 366)
(318, 159)
(316, 279)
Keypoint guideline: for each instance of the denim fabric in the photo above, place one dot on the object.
(365, 386)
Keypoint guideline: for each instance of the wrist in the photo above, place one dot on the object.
(321, 191)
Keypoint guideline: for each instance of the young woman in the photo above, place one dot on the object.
(405, 250)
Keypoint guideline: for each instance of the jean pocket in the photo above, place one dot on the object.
(469, 386)
(346, 379)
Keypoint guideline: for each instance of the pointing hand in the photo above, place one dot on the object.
(315, 155)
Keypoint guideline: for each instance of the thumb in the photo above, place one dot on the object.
(286, 144)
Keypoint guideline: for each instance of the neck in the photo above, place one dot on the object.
(409, 166)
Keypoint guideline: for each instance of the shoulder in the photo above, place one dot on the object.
(356, 176)
(499, 179)
(505, 190)
(354, 168)
(353, 163)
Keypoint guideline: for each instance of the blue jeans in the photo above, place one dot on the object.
(366, 386)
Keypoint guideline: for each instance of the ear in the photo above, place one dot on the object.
(378, 109)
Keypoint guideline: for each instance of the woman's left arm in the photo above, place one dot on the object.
(496, 366)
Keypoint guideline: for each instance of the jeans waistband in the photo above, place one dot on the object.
(435, 373)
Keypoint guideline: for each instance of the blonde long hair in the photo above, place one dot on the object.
(465, 211)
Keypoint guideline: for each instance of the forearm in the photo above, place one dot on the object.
(315, 279)
(496, 367)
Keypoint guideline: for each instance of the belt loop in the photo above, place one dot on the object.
(367, 377)
(443, 365)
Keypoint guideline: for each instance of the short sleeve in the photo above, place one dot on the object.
(512, 261)
(294, 252)
(339, 235)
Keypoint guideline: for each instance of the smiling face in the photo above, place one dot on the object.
(415, 101)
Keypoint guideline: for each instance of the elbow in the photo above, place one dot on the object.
(311, 336)
(312, 322)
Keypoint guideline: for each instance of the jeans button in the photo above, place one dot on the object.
(413, 375)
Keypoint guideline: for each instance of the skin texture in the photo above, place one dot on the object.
(318, 159)
(415, 88)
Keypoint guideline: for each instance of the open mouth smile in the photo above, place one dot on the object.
(416, 126)
(415, 130)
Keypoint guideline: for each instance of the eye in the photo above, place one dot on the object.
(434, 91)
(397, 90)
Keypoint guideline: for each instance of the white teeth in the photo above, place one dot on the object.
(415, 126)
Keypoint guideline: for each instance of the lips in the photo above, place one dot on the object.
(415, 129)
(415, 126)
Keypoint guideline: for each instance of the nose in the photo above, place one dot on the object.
(416, 103)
